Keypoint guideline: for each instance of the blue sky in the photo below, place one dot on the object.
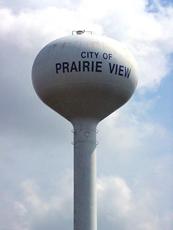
(162, 111)
(135, 151)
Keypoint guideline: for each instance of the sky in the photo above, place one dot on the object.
(135, 143)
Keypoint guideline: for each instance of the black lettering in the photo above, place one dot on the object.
(116, 68)
(105, 55)
(111, 67)
(127, 72)
(83, 54)
(92, 66)
(65, 67)
(79, 66)
(121, 69)
(58, 67)
(86, 65)
(90, 54)
(73, 67)
(96, 53)
(98, 66)
(110, 56)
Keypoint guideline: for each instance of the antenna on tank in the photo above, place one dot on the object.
(84, 79)
(80, 32)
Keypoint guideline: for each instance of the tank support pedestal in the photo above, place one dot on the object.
(85, 208)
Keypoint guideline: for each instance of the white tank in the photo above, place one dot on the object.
(84, 76)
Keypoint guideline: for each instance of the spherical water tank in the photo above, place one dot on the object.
(84, 76)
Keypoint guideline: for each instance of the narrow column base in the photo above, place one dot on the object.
(85, 210)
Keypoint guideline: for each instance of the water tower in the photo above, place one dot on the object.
(84, 78)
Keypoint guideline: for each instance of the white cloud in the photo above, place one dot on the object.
(34, 200)
(119, 206)
(31, 29)
(114, 196)
(133, 132)
(32, 197)
(43, 213)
